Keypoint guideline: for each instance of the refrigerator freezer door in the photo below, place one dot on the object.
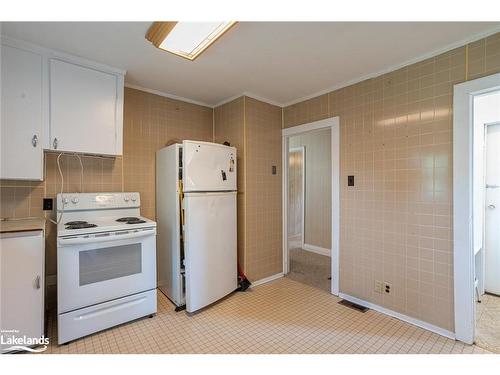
(208, 167)
(210, 247)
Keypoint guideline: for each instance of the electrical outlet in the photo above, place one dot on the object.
(387, 288)
(378, 286)
(47, 204)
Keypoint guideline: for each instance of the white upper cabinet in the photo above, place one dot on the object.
(86, 109)
(57, 102)
(21, 128)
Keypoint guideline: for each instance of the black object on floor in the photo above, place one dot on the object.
(353, 306)
(180, 308)
(243, 282)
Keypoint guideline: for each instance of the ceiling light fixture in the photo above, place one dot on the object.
(186, 39)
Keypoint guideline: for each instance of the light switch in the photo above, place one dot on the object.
(350, 180)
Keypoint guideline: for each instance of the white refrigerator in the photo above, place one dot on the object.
(196, 223)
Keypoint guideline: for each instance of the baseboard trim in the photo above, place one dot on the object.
(403, 317)
(267, 279)
(317, 249)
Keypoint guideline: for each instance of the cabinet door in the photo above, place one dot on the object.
(21, 119)
(83, 109)
(22, 283)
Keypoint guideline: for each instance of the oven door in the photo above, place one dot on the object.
(104, 266)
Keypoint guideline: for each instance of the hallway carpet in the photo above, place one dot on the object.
(310, 268)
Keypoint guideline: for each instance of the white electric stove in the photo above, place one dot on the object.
(106, 262)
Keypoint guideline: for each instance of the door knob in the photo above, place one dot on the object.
(491, 206)
(492, 186)
(37, 282)
(34, 140)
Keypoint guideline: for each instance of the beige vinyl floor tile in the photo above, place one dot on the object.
(488, 323)
(283, 316)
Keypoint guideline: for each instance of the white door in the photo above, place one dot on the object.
(492, 228)
(21, 120)
(210, 247)
(83, 109)
(208, 167)
(22, 284)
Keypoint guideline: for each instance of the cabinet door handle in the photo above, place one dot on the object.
(37, 282)
(34, 140)
(55, 143)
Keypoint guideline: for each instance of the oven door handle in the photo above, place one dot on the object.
(105, 238)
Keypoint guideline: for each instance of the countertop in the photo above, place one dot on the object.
(22, 225)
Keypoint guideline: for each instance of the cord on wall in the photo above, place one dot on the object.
(58, 162)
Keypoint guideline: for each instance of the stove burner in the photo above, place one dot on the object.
(125, 219)
(136, 221)
(131, 220)
(81, 226)
(76, 222)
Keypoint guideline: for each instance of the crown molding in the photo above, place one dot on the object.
(249, 95)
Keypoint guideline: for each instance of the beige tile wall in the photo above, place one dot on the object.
(307, 111)
(263, 252)
(229, 125)
(254, 128)
(396, 138)
(150, 122)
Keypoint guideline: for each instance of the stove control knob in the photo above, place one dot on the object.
(65, 200)
(74, 200)
(134, 198)
(126, 198)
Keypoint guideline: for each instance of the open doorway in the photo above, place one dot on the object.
(476, 211)
(309, 208)
(311, 203)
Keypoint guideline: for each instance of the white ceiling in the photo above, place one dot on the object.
(278, 61)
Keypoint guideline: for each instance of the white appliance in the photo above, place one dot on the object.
(106, 263)
(196, 215)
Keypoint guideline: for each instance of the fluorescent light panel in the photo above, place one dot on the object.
(189, 39)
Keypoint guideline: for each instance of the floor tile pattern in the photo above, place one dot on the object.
(283, 316)
(488, 323)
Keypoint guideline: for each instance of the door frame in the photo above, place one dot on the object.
(333, 123)
(302, 150)
(463, 245)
